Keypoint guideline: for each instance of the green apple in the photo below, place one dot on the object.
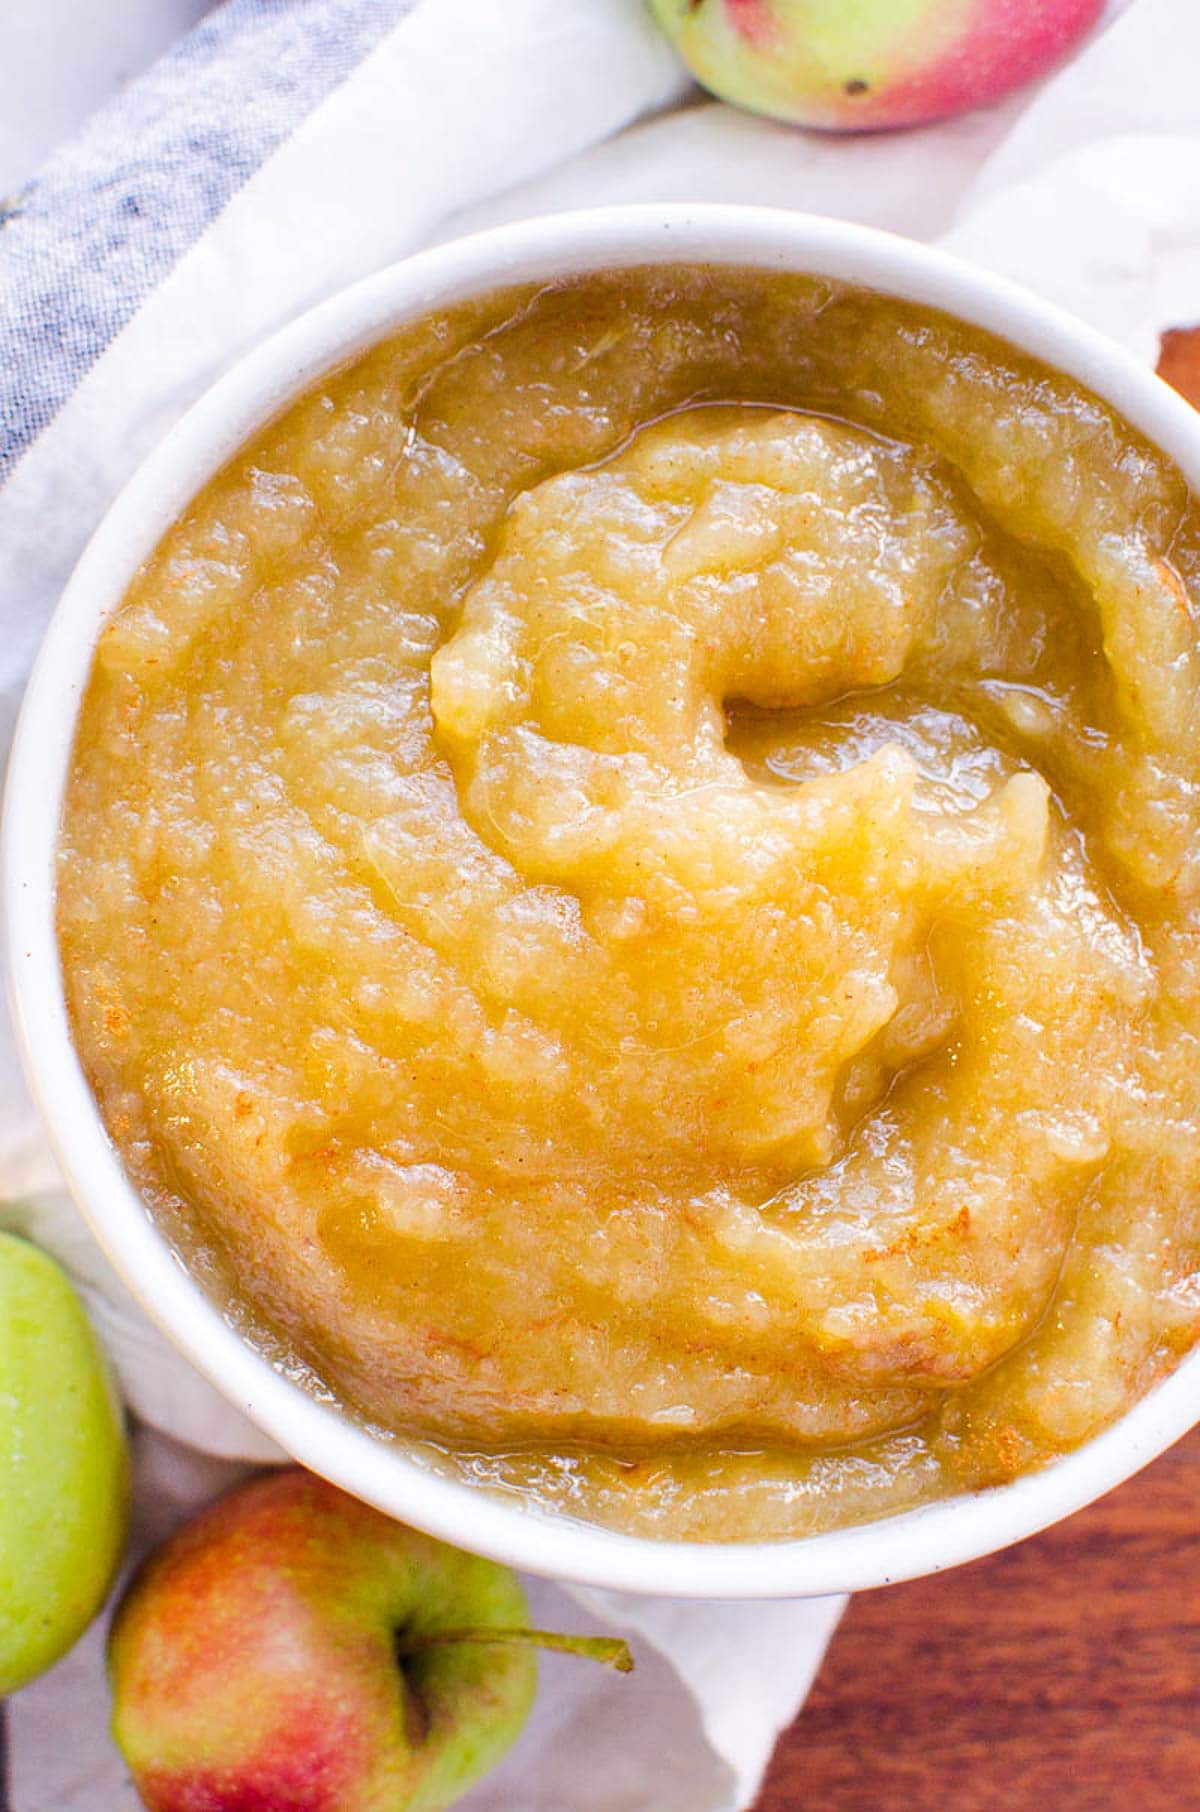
(64, 1477)
(862, 65)
(292, 1650)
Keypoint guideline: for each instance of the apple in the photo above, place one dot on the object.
(863, 65)
(293, 1650)
(64, 1475)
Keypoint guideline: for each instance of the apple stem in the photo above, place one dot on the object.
(610, 1651)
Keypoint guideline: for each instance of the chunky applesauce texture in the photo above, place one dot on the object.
(630, 896)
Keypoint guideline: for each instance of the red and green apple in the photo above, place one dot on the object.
(292, 1650)
(863, 65)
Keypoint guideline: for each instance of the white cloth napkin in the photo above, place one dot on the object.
(60, 59)
(465, 114)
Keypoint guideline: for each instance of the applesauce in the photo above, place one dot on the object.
(629, 898)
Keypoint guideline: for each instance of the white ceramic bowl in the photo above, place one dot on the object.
(898, 1547)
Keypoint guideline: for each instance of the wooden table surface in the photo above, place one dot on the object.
(1060, 1676)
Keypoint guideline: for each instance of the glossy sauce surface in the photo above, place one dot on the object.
(629, 895)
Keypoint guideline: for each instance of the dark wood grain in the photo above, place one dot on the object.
(1060, 1676)
(1179, 361)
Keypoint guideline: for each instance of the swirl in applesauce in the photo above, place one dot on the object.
(629, 897)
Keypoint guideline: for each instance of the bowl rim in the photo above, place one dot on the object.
(901, 1546)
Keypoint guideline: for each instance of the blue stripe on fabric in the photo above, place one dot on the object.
(110, 215)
